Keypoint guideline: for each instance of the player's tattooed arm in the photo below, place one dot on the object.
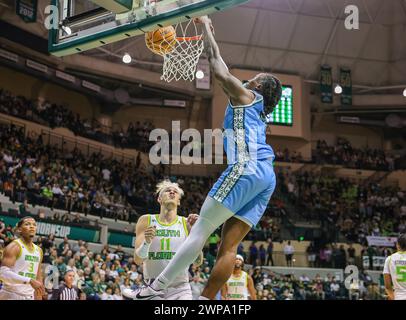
(10, 254)
(232, 86)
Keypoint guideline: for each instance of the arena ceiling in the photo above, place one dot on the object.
(291, 36)
(297, 36)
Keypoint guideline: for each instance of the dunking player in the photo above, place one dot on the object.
(158, 238)
(394, 271)
(20, 270)
(240, 285)
(240, 196)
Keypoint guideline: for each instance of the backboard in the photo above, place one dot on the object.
(88, 24)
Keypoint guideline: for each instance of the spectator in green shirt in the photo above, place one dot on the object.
(47, 195)
(47, 192)
(93, 288)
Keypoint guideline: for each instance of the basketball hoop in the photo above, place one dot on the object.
(182, 53)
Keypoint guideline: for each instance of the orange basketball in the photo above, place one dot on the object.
(161, 41)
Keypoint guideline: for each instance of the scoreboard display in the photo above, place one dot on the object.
(283, 113)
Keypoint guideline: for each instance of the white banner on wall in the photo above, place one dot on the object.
(377, 262)
(175, 103)
(65, 76)
(350, 119)
(91, 86)
(8, 55)
(382, 241)
(37, 66)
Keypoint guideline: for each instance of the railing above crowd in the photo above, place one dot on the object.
(52, 115)
(66, 143)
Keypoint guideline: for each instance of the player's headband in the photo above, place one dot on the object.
(22, 220)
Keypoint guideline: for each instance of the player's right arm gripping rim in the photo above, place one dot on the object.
(239, 95)
(144, 235)
(11, 252)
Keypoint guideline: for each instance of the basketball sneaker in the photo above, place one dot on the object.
(143, 293)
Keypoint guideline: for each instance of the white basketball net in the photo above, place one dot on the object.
(181, 61)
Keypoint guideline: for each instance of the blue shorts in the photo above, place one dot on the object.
(245, 189)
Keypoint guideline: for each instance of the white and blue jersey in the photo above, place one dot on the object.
(244, 135)
(247, 184)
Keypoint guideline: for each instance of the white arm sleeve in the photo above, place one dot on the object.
(10, 276)
(142, 250)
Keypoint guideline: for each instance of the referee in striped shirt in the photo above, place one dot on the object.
(67, 291)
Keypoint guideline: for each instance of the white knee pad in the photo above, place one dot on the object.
(214, 213)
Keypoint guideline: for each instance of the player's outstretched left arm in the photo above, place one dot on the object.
(232, 86)
(251, 288)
